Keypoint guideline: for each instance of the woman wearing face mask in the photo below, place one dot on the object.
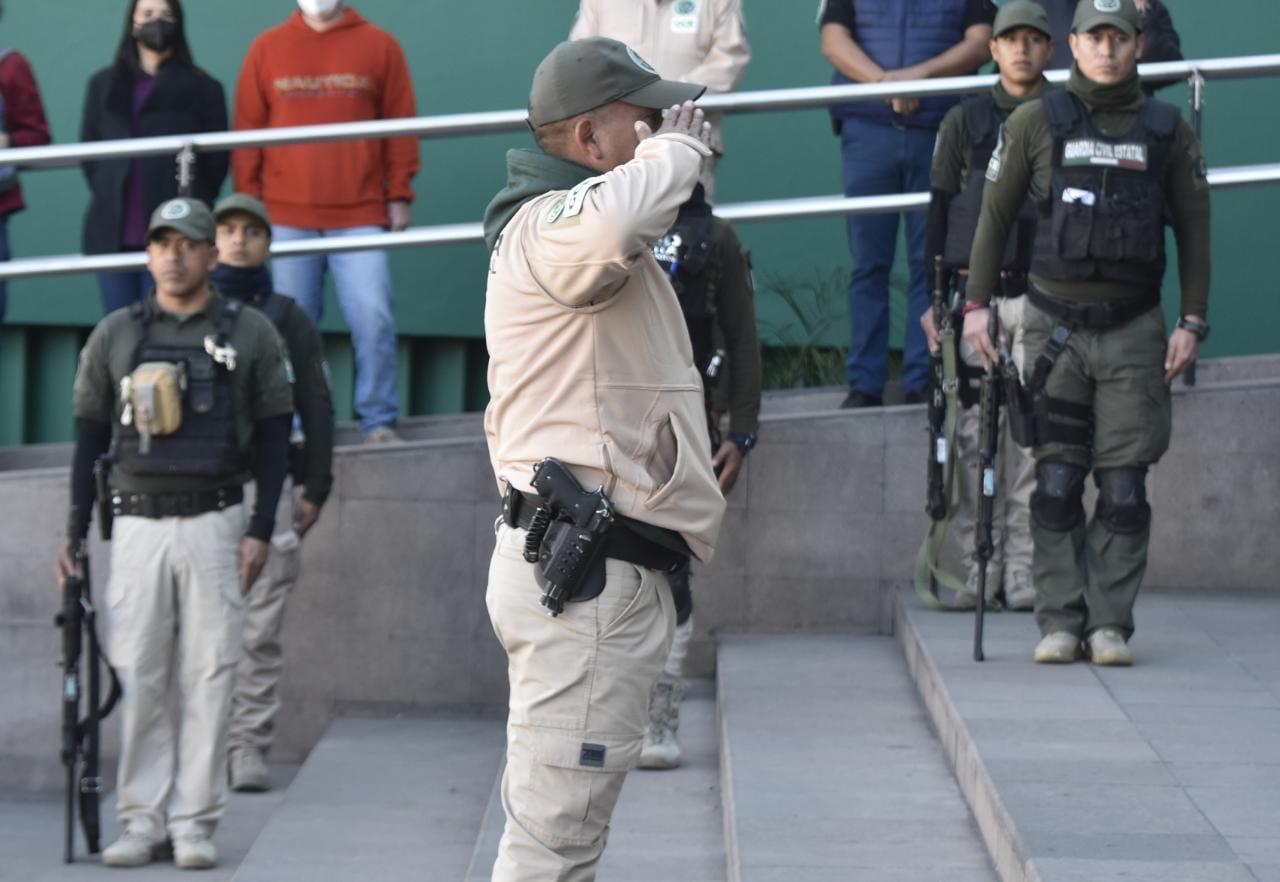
(152, 88)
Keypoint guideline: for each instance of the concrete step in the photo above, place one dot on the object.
(830, 770)
(667, 824)
(1164, 771)
(389, 800)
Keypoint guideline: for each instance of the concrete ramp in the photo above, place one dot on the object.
(383, 799)
(830, 771)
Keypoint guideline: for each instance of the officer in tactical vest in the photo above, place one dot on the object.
(244, 241)
(183, 397)
(711, 275)
(1108, 168)
(1021, 47)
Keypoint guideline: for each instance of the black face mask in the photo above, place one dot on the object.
(248, 283)
(157, 34)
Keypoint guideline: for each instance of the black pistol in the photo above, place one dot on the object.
(571, 540)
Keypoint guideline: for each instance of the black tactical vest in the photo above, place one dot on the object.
(685, 253)
(984, 122)
(206, 444)
(1106, 213)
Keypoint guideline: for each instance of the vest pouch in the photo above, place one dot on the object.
(1128, 230)
(1020, 412)
(155, 397)
(1073, 222)
(202, 372)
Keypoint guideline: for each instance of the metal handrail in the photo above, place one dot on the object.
(449, 125)
(456, 234)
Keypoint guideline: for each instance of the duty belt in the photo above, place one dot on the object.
(621, 543)
(175, 505)
(1013, 283)
(1095, 316)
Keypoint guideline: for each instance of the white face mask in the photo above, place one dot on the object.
(318, 8)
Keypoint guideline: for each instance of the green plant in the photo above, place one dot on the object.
(799, 355)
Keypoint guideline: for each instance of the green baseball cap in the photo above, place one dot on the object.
(190, 217)
(1021, 14)
(582, 75)
(245, 204)
(1122, 14)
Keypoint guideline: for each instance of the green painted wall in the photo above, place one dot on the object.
(470, 56)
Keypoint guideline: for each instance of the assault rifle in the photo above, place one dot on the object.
(988, 442)
(936, 500)
(80, 736)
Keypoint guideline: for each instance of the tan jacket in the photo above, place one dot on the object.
(706, 44)
(589, 358)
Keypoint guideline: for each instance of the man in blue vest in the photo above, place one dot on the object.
(887, 148)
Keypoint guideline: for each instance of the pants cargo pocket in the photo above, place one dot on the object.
(562, 786)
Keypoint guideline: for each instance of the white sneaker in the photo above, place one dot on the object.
(132, 849)
(661, 750)
(248, 771)
(1058, 648)
(383, 435)
(1107, 646)
(194, 852)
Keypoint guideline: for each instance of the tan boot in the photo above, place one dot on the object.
(661, 749)
(194, 852)
(248, 771)
(1058, 648)
(1107, 646)
(132, 849)
(1019, 592)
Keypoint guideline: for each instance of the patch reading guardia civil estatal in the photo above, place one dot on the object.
(1089, 151)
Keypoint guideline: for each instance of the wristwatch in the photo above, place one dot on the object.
(745, 441)
(1200, 329)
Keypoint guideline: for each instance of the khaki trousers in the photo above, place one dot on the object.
(174, 609)
(255, 700)
(1010, 565)
(580, 687)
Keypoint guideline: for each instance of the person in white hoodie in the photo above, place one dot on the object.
(590, 363)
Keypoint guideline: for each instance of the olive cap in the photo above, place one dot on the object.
(1021, 14)
(581, 75)
(190, 217)
(1122, 14)
(244, 203)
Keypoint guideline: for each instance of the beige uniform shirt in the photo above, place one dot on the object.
(589, 358)
(693, 41)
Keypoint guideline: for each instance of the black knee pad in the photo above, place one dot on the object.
(1057, 503)
(681, 592)
(1122, 500)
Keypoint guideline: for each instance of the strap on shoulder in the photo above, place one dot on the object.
(231, 309)
(980, 117)
(1161, 119)
(1062, 110)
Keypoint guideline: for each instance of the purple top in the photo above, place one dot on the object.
(133, 233)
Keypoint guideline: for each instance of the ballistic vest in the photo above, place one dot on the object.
(205, 444)
(984, 121)
(685, 254)
(897, 34)
(1106, 213)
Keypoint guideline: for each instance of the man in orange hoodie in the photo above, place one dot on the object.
(327, 64)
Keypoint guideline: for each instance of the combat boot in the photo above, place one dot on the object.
(661, 749)
(1058, 648)
(1107, 646)
(1019, 592)
(248, 771)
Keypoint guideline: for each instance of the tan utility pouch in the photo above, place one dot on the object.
(153, 399)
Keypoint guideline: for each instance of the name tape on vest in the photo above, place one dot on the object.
(1088, 151)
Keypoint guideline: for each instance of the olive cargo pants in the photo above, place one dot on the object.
(1088, 577)
(580, 687)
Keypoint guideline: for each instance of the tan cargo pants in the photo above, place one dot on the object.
(255, 700)
(580, 687)
(174, 611)
(1010, 565)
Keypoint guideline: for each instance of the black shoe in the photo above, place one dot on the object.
(861, 399)
(917, 397)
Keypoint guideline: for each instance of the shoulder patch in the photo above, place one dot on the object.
(578, 195)
(996, 164)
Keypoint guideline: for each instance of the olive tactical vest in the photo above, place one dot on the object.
(206, 444)
(1106, 213)
(985, 123)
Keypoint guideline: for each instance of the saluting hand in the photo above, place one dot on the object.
(1183, 348)
(253, 557)
(681, 119)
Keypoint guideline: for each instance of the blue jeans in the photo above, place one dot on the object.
(882, 159)
(363, 280)
(120, 290)
(4, 255)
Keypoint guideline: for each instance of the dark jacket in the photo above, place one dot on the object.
(183, 101)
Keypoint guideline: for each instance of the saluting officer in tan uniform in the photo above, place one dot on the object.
(694, 41)
(590, 363)
(189, 395)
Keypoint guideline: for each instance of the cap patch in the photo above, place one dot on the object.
(1106, 5)
(648, 68)
(176, 210)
